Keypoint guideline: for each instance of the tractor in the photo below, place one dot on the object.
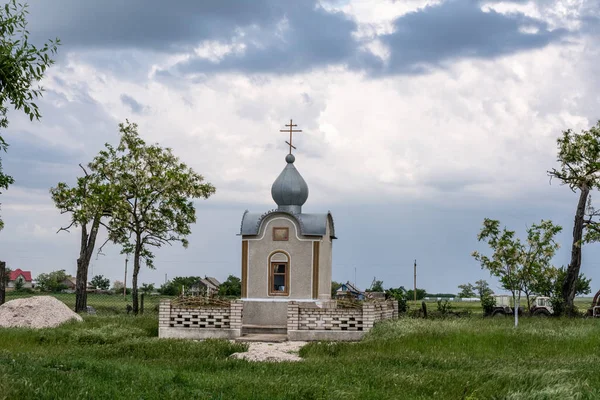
(594, 310)
(540, 308)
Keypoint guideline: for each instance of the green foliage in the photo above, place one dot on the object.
(100, 282)
(400, 295)
(175, 286)
(157, 190)
(231, 287)
(376, 286)
(483, 288)
(579, 158)
(488, 303)
(444, 307)
(334, 287)
(52, 282)
(22, 65)
(147, 288)
(421, 294)
(19, 285)
(466, 291)
(520, 267)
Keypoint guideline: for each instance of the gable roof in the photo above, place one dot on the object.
(214, 281)
(206, 283)
(349, 287)
(15, 274)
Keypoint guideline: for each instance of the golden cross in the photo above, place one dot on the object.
(291, 130)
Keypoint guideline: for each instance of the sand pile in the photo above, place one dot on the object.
(260, 351)
(35, 312)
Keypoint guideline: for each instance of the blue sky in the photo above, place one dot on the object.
(420, 118)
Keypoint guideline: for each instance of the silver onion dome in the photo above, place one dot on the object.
(289, 190)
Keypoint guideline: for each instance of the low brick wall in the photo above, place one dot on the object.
(200, 322)
(309, 322)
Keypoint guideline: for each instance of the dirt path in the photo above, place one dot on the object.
(271, 352)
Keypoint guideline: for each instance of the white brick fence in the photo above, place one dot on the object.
(223, 322)
(306, 321)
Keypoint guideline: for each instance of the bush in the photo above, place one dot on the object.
(488, 303)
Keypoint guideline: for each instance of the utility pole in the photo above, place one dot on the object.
(415, 290)
(125, 278)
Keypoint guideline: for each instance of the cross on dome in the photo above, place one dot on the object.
(291, 130)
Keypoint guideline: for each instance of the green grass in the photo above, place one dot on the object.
(469, 358)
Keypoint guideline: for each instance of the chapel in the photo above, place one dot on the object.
(286, 254)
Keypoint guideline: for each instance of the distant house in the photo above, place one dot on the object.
(205, 286)
(347, 289)
(70, 283)
(19, 275)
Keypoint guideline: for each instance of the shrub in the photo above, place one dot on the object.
(488, 303)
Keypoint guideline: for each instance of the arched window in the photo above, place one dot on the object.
(279, 274)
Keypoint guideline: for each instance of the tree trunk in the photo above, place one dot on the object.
(136, 270)
(88, 242)
(570, 283)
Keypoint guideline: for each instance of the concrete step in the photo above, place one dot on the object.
(262, 337)
(264, 329)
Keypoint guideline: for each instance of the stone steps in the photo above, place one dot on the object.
(264, 329)
(263, 337)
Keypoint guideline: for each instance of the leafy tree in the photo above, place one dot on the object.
(19, 285)
(537, 257)
(231, 287)
(551, 286)
(147, 288)
(52, 282)
(466, 290)
(100, 282)
(483, 288)
(579, 159)
(88, 202)
(400, 295)
(334, 287)
(156, 206)
(376, 286)
(421, 294)
(21, 66)
(518, 266)
(177, 284)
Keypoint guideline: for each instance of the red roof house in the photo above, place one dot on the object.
(19, 275)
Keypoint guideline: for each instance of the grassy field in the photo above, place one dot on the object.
(108, 357)
(105, 304)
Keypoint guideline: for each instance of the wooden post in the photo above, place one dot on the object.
(2, 282)
(142, 303)
(415, 289)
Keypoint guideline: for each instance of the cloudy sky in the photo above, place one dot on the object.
(420, 118)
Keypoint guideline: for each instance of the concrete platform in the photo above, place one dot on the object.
(264, 329)
(262, 337)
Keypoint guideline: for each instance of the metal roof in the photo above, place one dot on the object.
(290, 190)
(310, 224)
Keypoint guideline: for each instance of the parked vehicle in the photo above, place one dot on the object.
(541, 307)
(594, 310)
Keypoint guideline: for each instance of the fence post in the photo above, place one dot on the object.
(2, 282)
(142, 303)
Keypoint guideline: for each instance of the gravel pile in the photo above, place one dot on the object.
(35, 312)
(261, 351)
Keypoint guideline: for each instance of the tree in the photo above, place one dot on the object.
(483, 288)
(100, 282)
(118, 287)
(421, 293)
(21, 66)
(466, 290)
(579, 159)
(147, 288)
(334, 287)
(399, 294)
(52, 282)
(177, 284)
(551, 286)
(156, 206)
(518, 266)
(231, 287)
(537, 257)
(87, 202)
(505, 262)
(376, 286)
